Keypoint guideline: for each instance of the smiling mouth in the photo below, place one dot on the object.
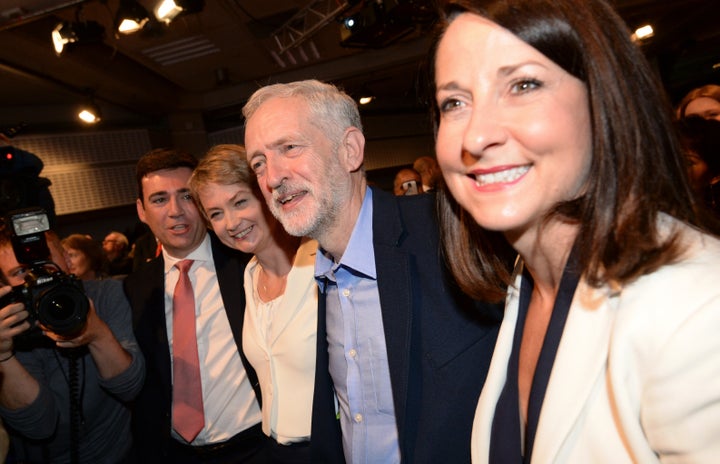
(289, 198)
(242, 233)
(501, 177)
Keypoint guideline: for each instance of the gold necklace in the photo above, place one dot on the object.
(275, 290)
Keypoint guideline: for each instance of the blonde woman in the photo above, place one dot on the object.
(279, 329)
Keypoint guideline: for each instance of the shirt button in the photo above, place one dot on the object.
(358, 418)
(346, 292)
(352, 352)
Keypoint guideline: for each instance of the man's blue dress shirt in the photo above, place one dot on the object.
(356, 346)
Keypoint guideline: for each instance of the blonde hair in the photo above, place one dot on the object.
(224, 164)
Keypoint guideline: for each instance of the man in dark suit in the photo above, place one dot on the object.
(229, 415)
(405, 353)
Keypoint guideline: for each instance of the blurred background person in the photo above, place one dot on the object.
(700, 139)
(85, 257)
(279, 332)
(703, 101)
(407, 182)
(554, 136)
(116, 248)
(429, 171)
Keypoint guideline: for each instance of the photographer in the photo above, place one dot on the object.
(64, 398)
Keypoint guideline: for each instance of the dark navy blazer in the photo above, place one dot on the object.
(439, 341)
(145, 290)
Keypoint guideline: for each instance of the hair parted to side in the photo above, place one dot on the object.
(636, 170)
(707, 91)
(224, 164)
(330, 108)
(159, 159)
(90, 248)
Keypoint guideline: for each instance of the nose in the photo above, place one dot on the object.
(276, 172)
(232, 221)
(175, 208)
(484, 132)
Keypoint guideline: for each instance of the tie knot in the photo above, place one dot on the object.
(184, 265)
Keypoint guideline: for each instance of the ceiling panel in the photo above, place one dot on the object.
(236, 51)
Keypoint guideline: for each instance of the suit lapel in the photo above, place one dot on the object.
(150, 317)
(230, 278)
(394, 272)
(230, 267)
(580, 360)
(497, 374)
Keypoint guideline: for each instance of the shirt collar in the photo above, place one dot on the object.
(359, 254)
(202, 253)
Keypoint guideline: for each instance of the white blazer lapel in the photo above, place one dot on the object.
(482, 425)
(580, 364)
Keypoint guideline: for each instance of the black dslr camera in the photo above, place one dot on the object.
(52, 297)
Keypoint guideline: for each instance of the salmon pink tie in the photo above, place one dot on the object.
(187, 414)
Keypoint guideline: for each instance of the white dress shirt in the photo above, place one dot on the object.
(229, 400)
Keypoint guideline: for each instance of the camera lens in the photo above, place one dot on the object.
(63, 309)
(60, 307)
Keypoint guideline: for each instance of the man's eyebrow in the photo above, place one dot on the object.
(157, 194)
(275, 144)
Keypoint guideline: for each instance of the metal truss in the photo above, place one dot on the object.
(307, 22)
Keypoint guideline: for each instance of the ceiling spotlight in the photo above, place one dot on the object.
(130, 17)
(643, 33)
(365, 100)
(350, 22)
(67, 33)
(170, 9)
(62, 35)
(90, 113)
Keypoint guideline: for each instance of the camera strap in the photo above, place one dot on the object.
(76, 418)
(75, 394)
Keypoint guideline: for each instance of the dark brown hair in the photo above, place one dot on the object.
(636, 170)
(91, 249)
(159, 159)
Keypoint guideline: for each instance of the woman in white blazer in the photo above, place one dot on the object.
(280, 321)
(553, 137)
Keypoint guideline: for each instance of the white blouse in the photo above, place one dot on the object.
(279, 340)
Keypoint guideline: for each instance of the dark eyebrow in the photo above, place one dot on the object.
(161, 193)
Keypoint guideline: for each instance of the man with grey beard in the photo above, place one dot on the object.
(402, 354)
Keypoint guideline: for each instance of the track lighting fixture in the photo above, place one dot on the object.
(168, 10)
(90, 112)
(130, 17)
(66, 33)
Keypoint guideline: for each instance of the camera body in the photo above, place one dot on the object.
(55, 299)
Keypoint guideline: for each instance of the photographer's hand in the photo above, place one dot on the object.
(12, 322)
(110, 357)
(18, 388)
